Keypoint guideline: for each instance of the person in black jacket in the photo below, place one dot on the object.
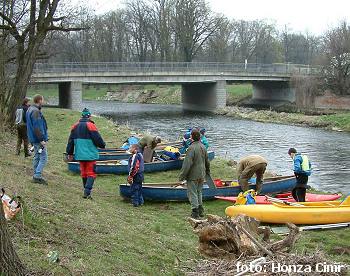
(21, 125)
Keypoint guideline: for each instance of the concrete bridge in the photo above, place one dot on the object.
(203, 84)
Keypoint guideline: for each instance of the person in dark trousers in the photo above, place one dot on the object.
(194, 170)
(302, 171)
(83, 142)
(247, 167)
(38, 136)
(136, 177)
(21, 125)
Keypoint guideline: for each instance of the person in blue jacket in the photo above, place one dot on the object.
(204, 139)
(136, 177)
(38, 136)
(302, 171)
(83, 142)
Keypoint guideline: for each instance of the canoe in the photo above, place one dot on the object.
(113, 155)
(121, 167)
(177, 192)
(159, 147)
(286, 197)
(308, 213)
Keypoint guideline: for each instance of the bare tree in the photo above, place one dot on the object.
(218, 45)
(194, 25)
(28, 24)
(9, 260)
(337, 52)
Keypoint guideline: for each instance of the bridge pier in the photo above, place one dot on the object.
(204, 96)
(70, 95)
(272, 91)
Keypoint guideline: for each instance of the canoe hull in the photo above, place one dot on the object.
(123, 169)
(289, 198)
(154, 193)
(297, 215)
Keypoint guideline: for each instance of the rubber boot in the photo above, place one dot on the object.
(194, 213)
(88, 187)
(201, 211)
(26, 150)
(84, 181)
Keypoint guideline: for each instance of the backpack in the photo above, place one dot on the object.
(246, 198)
(19, 116)
(10, 206)
(171, 152)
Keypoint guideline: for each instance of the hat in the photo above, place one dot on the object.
(292, 150)
(158, 139)
(203, 130)
(187, 135)
(85, 113)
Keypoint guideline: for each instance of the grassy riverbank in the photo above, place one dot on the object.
(106, 236)
(339, 121)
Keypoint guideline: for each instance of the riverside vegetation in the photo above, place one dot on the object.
(107, 236)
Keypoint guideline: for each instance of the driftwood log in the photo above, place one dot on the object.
(233, 237)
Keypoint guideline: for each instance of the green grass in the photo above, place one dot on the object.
(106, 236)
(238, 92)
(340, 120)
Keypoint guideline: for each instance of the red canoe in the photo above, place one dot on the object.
(287, 197)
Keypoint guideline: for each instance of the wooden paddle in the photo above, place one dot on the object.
(210, 181)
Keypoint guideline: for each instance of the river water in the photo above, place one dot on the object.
(230, 138)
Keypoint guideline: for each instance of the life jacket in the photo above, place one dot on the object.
(10, 206)
(246, 198)
(305, 165)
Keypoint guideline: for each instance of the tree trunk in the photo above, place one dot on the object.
(9, 260)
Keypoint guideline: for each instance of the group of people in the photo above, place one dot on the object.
(84, 141)
(32, 128)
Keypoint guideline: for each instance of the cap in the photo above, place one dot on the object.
(86, 113)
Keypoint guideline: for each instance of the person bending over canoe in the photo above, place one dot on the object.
(147, 145)
(149, 141)
(247, 167)
(83, 142)
(136, 177)
(194, 169)
(302, 171)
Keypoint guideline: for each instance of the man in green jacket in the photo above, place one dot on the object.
(247, 167)
(194, 169)
(149, 141)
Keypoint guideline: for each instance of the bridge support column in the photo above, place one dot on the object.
(272, 91)
(206, 96)
(70, 95)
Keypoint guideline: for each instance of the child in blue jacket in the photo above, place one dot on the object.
(136, 177)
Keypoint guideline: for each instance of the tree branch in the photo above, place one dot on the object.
(65, 29)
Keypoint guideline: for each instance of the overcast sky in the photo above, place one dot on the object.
(314, 16)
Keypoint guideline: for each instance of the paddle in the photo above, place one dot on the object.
(272, 199)
(210, 181)
(285, 230)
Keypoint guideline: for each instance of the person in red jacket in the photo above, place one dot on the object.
(83, 142)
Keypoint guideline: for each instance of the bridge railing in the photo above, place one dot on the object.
(147, 67)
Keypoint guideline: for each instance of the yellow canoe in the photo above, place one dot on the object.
(309, 213)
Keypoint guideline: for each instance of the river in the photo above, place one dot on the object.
(232, 139)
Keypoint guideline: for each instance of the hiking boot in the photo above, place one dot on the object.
(39, 181)
(84, 181)
(87, 196)
(201, 211)
(194, 213)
